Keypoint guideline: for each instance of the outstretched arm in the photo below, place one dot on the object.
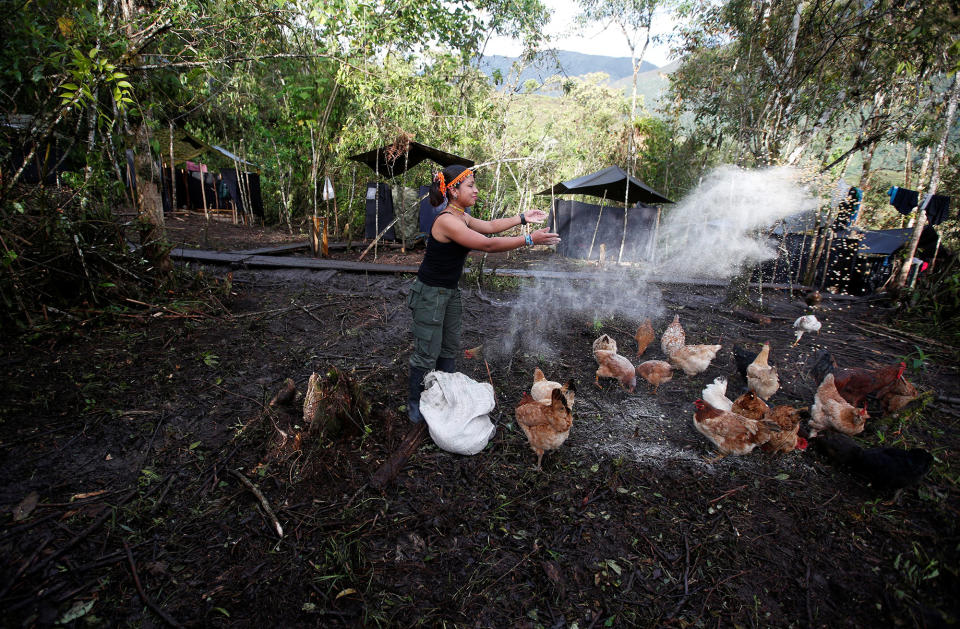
(502, 224)
(447, 226)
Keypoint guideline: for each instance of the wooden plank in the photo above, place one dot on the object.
(297, 246)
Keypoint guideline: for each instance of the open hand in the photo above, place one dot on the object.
(544, 236)
(535, 216)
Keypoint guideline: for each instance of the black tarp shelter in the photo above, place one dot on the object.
(388, 163)
(584, 227)
(611, 183)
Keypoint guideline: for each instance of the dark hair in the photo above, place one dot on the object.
(449, 174)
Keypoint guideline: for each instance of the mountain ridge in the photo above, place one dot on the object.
(565, 62)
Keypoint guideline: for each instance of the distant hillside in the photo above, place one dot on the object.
(563, 62)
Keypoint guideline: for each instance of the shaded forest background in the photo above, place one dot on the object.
(860, 91)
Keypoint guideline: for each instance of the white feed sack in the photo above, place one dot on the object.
(457, 411)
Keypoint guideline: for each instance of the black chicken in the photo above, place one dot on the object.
(820, 364)
(743, 357)
(888, 468)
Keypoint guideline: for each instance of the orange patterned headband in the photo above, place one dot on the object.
(454, 182)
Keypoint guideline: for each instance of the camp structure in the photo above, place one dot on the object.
(234, 191)
(624, 224)
(857, 261)
(415, 214)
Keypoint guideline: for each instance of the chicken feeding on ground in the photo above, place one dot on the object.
(547, 426)
(728, 432)
(806, 323)
(604, 343)
(715, 394)
(831, 411)
(897, 396)
(656, 372)
(788, 439)
(694, 359)
(820, 364)
(888, 468)
(813, 298)
(761, 376)
(644, 336)
(542, 389)
(743, 357)
(613, 365)
(856, 383)
(750, 406)
(673, 337)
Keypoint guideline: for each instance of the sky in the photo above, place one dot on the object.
(595, 41)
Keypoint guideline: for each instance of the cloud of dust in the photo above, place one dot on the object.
(722, 225)
(715, 231)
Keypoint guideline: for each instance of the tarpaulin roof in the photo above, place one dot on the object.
(186, 147)
(611, 183)
(379, 161)
(884, 242)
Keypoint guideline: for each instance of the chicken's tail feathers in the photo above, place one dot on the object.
(538, 375)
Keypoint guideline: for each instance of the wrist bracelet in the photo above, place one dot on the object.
(528, 239)
(523, 219)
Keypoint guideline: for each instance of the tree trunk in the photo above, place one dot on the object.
(921, 219)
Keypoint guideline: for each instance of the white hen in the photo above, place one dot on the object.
(806, 323)
(715, 394)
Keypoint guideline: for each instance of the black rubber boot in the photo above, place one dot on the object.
(413, 398)
(448, 365)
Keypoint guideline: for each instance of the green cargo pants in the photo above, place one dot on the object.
(437, 320)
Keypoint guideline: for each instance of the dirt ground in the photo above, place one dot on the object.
(133, 452)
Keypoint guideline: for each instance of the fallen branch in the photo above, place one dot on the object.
(143, 595)
(391, 467)
(377, 239)
(263, 500)
(752, 316)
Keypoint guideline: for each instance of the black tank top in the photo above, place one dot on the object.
(442, 264)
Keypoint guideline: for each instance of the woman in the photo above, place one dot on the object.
(435, 297)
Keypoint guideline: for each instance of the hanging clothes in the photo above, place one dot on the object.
(937, 207)
(903, 200)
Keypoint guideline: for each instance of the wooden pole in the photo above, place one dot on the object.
(596, 227)
(203, 192)
(173, 175)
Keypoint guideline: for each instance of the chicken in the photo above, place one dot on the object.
(715, 394)
(694, 359)
(547, 426)
(856, 383)
(813, 298)
(728, 432)
(806, 323)
(787, 440)
(673, 337)
(830, 410)
(604, 343)
(888, 468)
(761, 377)
(542, 388)
(821, 363)
(644, 336)
(656, 372)
(743, 357)
(613, 365)
(898, 395)
(750, 406)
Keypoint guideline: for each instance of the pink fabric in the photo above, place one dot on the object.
(197, 168)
